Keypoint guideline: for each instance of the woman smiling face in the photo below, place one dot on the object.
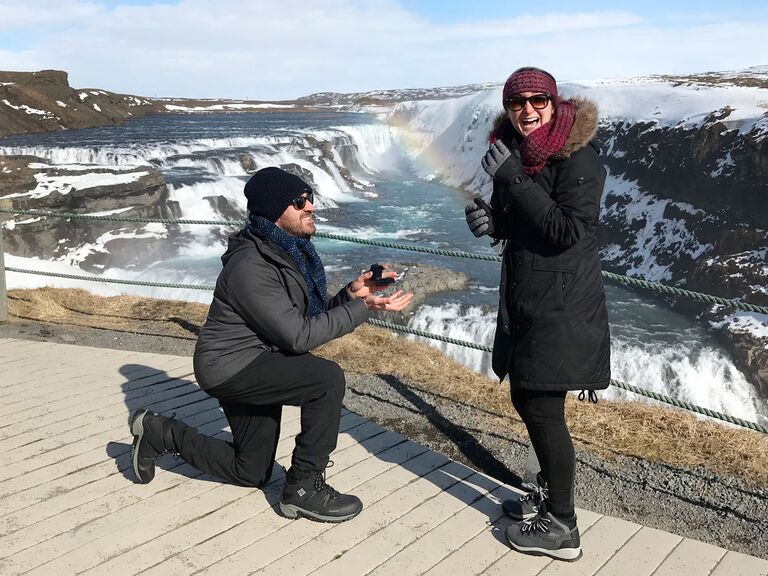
(528, 118)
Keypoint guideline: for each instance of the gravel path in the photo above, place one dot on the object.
(691, 503)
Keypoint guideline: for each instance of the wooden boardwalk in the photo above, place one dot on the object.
(68, 504)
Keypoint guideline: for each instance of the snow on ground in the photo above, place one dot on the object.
(742, 322)
(64, 184)
(234, 106)
(28, 109)
(653, 233)
(449, 136)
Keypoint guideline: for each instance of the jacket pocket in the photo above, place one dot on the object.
(557, 263)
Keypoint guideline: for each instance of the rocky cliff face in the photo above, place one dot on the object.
(686, 206)
(43, 101)
(30, 183)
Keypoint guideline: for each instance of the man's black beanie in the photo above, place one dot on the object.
(271, 190)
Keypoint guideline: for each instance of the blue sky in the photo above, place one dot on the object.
(449, 11)
(273, 49)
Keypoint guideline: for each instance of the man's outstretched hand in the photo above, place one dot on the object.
(394, 303)
(364, 285)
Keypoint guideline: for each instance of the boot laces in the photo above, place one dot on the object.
(537, 524)
(167, 450)
(535, 493)
(321, 486)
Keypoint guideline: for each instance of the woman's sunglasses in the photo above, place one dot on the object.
(301, 201)
(538, 101)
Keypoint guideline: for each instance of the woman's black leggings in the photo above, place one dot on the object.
(544, 416)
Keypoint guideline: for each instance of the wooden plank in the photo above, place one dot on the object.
(387, 496)
(479, 553)
(642, 554)
(77, 392)
(60, 553)
(68, 505)
(229, 541)
(690, 558)
(99, 372)
(206, 526)
(599, 544)
(736, 564)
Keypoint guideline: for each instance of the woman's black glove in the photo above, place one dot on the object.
(479, 218)
(500, 162)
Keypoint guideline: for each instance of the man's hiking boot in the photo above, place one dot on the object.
(310, 497)
(546, 535)
(526, 506)
(151, 438)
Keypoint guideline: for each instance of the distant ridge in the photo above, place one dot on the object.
(384, 97)
(44, 101)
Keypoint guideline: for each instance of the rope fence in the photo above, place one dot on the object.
(618, 278)
(628, 281)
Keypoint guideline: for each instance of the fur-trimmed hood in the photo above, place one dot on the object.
(583, 130)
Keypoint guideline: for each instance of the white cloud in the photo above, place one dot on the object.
(276, 49)
(36, 13)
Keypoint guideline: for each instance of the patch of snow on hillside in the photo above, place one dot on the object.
(28, 109)
(742, 322)
(96, 107)
(65, 184)
(79, 254)
(667, 105)
(61, 104)
(75, 167)
(653, 235)
(83, 96)
(722, 165)
(218, 107)
(760, 129)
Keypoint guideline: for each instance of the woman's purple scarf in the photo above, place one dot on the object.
(547, 140)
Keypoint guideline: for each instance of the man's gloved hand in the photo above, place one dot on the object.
(479, 218)
(500, 162)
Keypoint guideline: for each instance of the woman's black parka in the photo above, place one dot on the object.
(552, 327)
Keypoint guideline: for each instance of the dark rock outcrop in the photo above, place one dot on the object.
(31, 183)
(714, 166)
(693, 207)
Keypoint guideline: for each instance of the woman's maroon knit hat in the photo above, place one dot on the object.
(529, 79)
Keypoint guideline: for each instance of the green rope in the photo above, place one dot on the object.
(415, 332)
(625, 280)
(629, 387)
(691, 407)
(112, 280)
(700, 296)
(423, 249)
(661, 288)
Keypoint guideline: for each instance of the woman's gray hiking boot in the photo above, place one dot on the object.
(151, 438)
(310, 497)
(526, 506)
(546, 535)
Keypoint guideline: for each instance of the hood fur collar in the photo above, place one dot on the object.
(584, 128)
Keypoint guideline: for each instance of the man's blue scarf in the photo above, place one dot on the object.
(303, 254)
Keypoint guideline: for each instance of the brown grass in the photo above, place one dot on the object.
(609, 428)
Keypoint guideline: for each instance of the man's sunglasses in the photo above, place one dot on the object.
(538, 101)
(301, 201)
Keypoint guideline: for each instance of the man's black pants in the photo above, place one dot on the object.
(252, 401)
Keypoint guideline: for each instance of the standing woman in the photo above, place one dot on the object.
(552, 328)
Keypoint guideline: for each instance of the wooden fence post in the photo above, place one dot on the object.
(3, 295)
